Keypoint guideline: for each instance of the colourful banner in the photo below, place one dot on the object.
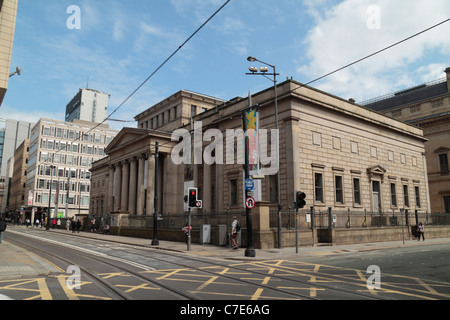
(252, 118)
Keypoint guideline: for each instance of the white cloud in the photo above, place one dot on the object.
(350, 30)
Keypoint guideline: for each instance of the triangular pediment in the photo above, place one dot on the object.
(125, 137)
(376, 170)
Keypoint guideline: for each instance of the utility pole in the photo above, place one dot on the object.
(155, 241)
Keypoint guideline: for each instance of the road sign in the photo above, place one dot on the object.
(199, 203)
(249, 184)
(250, 203)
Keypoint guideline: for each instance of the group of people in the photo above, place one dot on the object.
(74, 225)
(235, 229)
(71, 224)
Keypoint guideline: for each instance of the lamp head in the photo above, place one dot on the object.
(263, 69)
(253, 69)
(251, 59)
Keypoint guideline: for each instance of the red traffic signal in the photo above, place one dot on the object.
(300, 199)
(192, 197)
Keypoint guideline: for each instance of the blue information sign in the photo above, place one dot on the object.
(249, 184)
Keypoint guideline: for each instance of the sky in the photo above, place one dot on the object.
(117, 44)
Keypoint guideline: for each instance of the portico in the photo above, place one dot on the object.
(130, 174)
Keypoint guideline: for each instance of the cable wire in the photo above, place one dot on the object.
(372, 54)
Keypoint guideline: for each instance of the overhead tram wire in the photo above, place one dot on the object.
(152, 74)
(371, 55)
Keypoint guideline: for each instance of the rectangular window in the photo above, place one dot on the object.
(338, 189)
(273, 188)
(417, 194)
(318, 187)
(405, 195)
(356, 191)
(393, 195)
(233, 192)
(447, 204)
(443, 164)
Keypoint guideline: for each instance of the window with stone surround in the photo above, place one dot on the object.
(318, 187)
(356, 191)
(339, 192)
(233, 192)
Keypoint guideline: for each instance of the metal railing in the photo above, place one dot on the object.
(308, 218)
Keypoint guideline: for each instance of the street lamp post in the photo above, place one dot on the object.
(263, 71)
(50, 197)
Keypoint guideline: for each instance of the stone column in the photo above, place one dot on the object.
(206, 188)
(133, 186)
(110, 203)
(140, 186)
(125, 183)
(150, 185)
(118, 186)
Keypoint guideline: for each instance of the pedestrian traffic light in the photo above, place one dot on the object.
(300, 199)
(192, 197)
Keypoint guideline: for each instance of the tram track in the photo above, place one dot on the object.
(188, 261)
(115, 263)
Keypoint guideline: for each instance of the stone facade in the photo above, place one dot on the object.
(8, 12)
(428, 107)
(126, 178)
(341, 155)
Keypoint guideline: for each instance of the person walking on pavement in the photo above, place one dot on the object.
(2, 227)
(420, 231)
(78, 225)
(186, 231)
(68, 225)
(235, 228)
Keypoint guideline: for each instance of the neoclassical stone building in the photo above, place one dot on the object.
(340, 154)
(426, 106)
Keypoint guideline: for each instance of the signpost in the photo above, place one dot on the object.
(250, 203)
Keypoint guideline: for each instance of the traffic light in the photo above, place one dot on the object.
(192, 197)
(300, 199)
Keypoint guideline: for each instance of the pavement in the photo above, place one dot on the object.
(16, 262)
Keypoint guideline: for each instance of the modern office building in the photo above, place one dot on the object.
(16, 196)
(60, 157)
(11, 137)
(426, 106)
(8, 12)
(88, 105)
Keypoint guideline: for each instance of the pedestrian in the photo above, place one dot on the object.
(105, 229)
(73, 223)
(53, 223)
(186, 231)
(420, 231)
(68, 225)
(59, 223)
(78, 225)
(235, 228)
(37, 223)
(93, 224)
(27, 222)
(2, 227)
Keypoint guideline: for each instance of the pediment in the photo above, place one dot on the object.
(376, 170)
(125, 137)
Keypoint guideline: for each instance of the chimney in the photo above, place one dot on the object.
(447, 71)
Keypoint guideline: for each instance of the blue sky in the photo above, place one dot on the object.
(120, 43)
